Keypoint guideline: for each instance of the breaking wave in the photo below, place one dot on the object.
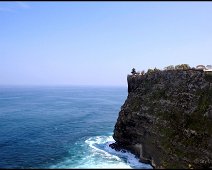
(94, 152)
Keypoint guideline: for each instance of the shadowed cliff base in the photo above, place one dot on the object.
(166, 119)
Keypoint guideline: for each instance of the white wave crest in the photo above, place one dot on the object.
(98, 140)
(98, 154)
(131, 160)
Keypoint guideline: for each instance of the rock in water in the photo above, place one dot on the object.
(166, 119)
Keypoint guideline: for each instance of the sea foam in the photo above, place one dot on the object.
(98, 154)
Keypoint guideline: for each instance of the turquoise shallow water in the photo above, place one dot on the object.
(61, 127)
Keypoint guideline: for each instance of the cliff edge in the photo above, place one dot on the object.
(166, 119)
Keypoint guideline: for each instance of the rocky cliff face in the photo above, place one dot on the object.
(166, 119)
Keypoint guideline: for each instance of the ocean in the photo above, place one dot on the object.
(61, 127)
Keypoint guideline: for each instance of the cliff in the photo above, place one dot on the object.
(166, 119)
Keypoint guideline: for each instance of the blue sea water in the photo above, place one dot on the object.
(61, 127)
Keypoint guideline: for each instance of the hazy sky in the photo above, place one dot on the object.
(98, 43)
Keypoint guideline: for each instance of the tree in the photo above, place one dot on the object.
(182, 67)
(149, 71)
(156, 69)
(177, 67)
(200, 67)
(170, 67)
(209, 66)
(133, 71)
(185, 66)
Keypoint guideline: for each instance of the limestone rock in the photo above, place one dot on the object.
(166, 119)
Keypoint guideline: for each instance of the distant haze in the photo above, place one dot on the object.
(98, 43)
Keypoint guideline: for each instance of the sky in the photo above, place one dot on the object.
(98, 43)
